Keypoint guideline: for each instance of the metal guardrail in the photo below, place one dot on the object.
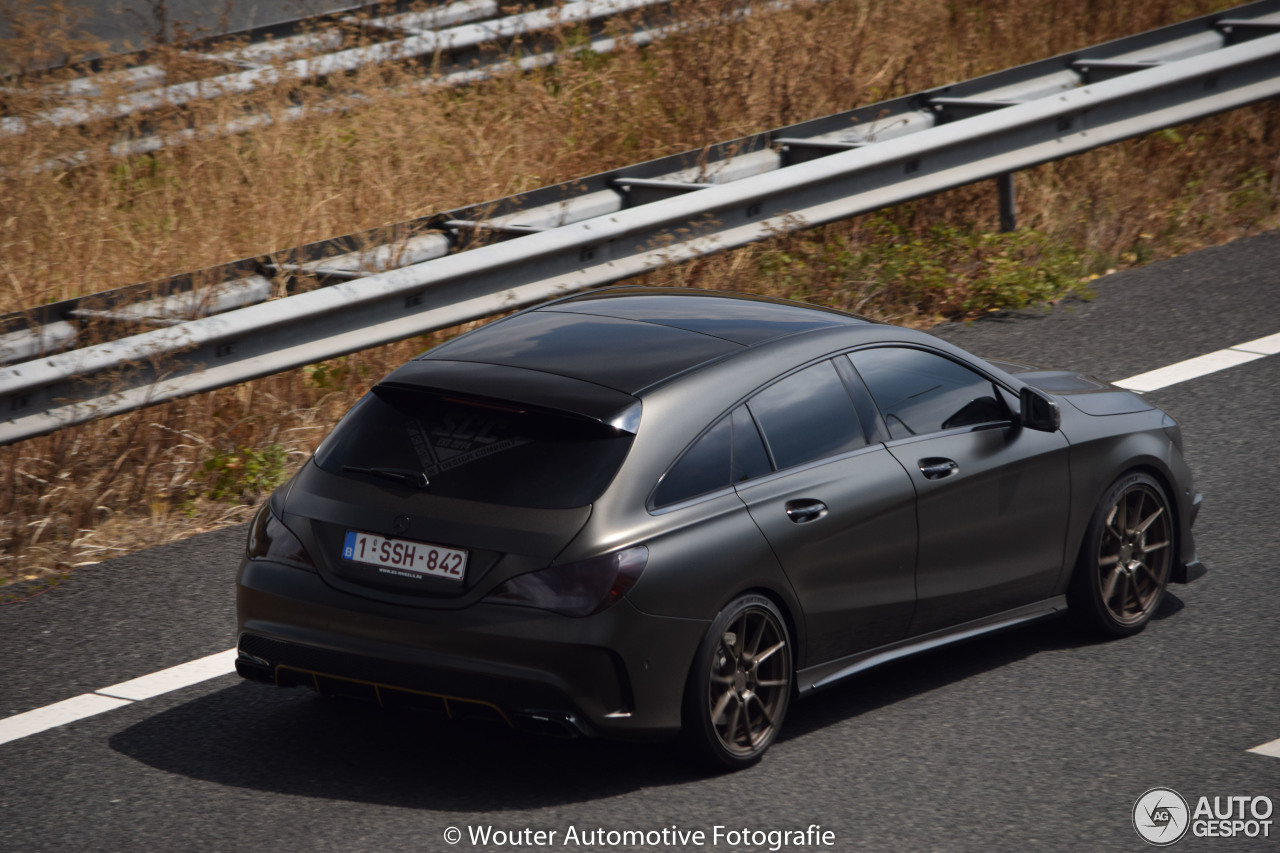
(49, 328)
(865, 160)
(459, 26)
(455, 38)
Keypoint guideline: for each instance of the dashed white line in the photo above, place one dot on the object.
(1271, 748)
(223, 663)
(173, 678)
(1202, 365)
(116, 696)
(57, 714)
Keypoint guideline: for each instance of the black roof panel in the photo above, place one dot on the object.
(625, 355)
(745, 321)
(630, 339)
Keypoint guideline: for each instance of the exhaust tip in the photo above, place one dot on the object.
(255, 669)
(560, 724)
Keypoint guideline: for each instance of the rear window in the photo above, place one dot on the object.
(495, 454)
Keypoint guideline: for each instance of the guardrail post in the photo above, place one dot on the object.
(1008, 202)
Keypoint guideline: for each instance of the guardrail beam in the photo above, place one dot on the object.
(702, 218)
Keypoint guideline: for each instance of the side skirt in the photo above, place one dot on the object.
(826, 674)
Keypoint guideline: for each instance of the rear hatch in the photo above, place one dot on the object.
(433, 497)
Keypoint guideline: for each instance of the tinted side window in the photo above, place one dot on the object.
(703, 468)
(807, 416)
(919, 392)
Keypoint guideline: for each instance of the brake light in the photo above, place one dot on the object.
(576, 589)
(269, 539)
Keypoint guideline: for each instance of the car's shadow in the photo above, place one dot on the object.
(293, 742)
(922, 673)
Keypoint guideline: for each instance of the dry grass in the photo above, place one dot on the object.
(176, 469)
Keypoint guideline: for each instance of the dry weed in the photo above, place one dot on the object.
(150, 476)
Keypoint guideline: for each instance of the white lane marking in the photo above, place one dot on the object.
(57, 714)
(1270, 345)
(1202, 365)
(1272, 749)
(223, 663)
(116, 696)
(1196, 367)
(182, 675)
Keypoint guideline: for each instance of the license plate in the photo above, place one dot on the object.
(404, 558)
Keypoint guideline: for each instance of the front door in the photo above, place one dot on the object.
(991, 496)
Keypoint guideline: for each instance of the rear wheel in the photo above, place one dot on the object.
(1126, 558)
(740, 684)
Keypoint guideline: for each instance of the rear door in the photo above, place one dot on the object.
(838, 512)
(992, 497)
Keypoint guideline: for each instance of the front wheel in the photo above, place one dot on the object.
(740, 683)
(1125, 560)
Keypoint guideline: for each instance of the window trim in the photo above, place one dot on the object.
(764, 443)
(873, 425)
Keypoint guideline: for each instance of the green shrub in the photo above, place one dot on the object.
(246, 473)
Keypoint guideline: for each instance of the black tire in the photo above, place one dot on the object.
(740, 684)
(1125, 560)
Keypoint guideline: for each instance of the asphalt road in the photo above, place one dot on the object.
(1033, 739)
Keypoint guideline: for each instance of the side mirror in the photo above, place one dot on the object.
(1038, 410)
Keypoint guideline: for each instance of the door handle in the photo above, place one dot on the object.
(805, 510)
(935, 467)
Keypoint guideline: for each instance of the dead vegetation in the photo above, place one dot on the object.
(106, 488)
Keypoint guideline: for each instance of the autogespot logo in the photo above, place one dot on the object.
(1161, 817)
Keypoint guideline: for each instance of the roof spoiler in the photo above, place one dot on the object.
(500, 384)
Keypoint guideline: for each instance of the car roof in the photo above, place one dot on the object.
(632, 339)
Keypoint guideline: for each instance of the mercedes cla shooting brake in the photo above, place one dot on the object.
(638, 512)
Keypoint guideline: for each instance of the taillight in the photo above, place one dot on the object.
(576, 589)
(269, 539)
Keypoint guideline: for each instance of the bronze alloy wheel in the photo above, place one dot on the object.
(1126, 558)
(745, 681)
(1133, 563)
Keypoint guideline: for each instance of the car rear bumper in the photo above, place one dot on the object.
(619, 673)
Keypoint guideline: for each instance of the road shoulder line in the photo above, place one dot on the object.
(116, 696)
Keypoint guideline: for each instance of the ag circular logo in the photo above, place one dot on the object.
(1161, 817)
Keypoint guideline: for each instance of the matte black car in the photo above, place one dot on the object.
(638, 512)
